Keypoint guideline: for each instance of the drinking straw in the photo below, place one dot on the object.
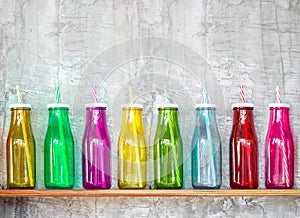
(102, 147)
(61, 135)
(209, 138)
(168, 166)
(24, 132)
(57, 95)
(19, 94)
(246, 146)
(204, 94)
(174, 150)
(98, 115)
(95, 94)
(242, 94)
(278, 94)
(283, 148)
(166, 95)
(137, 164)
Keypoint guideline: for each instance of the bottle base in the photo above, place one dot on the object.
(55, 186)
(196, 186)
(243, 186)
(98, 186)
(20, 187)
(12, 185)
(278, 186)
(167, 186)
(132, 186)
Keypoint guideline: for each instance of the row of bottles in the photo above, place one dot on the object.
(168, 149)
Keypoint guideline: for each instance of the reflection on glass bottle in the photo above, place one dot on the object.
(59, 149)
(96, 149)
(132, 153)
(243, 149)
(279, 149)
(20, 149)
(206, 149)
(168, 149)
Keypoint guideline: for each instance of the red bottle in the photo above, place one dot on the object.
(243, 148)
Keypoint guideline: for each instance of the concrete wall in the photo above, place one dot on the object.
(147, 44)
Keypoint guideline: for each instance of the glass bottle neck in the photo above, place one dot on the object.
(59, 113)
(279, 115)
(206, 115)
(167, 115)
(132, 116)
(95, 115)
(20, 114)
(243, 116)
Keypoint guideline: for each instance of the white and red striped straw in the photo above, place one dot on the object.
(278, 94)
(95, 94)
(242, 94)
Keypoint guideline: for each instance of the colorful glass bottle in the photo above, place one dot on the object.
(96, 149)
(132, 152)
(279, 151)
(243, 156)
(59, 149)
(168, 149)
(20, 148)
(206, 149)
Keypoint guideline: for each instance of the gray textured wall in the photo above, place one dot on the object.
(78, 43)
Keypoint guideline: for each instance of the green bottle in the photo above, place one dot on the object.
(168, 149)
(59, 149)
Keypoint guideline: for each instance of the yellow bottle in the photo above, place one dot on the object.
(20, 149)
(132, 152)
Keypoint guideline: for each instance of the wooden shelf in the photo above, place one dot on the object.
(147, 193)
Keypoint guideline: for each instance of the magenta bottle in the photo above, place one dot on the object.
(279, 151)
(96, 149)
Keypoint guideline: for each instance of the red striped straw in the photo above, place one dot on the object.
(278, 94)
(95, 94)
(242, 94)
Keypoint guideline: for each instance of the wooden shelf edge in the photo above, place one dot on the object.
(148, 193)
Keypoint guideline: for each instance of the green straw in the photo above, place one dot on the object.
(170, 123)
(61, 134)
(57, 95)
(166, 95)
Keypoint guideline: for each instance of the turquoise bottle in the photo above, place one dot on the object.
(206, 149)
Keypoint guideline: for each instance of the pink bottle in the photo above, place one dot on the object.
(279, 172)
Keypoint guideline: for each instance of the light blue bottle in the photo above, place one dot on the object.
(206, 149)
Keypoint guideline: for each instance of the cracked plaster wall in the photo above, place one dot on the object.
(45, 43)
